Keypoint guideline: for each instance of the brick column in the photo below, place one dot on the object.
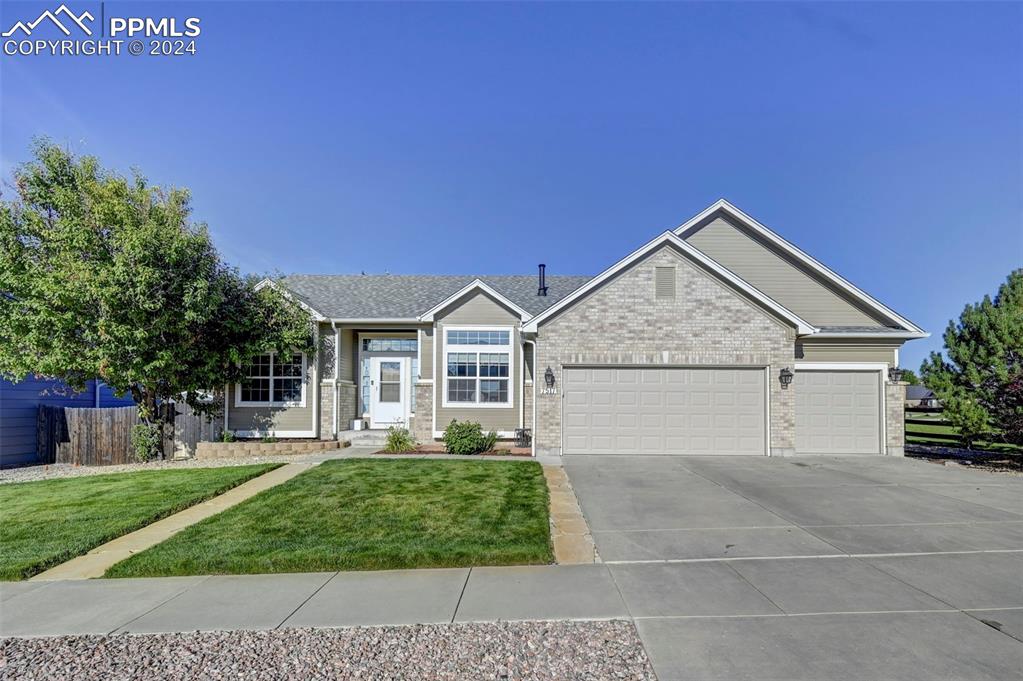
(895, 418)
(347, 404)
(326, 411)
(423, 423)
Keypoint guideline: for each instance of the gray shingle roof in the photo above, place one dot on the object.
(404, 296)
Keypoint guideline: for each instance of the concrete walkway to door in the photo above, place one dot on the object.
(812, 568)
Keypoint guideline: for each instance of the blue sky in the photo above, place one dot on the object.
(885, 140)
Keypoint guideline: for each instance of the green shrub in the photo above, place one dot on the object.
(399, 440)
(145, 441)
(468, 437)
(269, 439)
(227, 436)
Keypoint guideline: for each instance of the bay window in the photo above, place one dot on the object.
(273, 379)
(478, 367)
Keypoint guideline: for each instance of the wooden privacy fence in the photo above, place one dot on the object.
(102, 437)
(190, 429)
(90, 437)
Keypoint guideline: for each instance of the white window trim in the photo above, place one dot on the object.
(238, 402)
(477, 350)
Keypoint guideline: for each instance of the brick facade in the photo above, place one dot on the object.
(422, 425)
(706, 324)
(347, 404)
(895, 415)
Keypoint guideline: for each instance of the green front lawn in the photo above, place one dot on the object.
(45, 523)
(368, 515)
(922, 433)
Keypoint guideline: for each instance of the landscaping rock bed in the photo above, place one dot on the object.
(53, 471)
(996, 462)
(502, 650)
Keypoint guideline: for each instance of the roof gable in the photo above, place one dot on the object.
(784, 272)
(476, 285)
(670, 239)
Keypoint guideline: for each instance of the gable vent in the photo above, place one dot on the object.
(664, 283)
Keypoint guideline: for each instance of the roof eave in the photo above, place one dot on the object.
(906, 335)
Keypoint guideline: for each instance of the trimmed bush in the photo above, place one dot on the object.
(468, 438)
(399, 440)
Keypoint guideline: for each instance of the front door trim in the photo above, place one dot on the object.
(383, 414)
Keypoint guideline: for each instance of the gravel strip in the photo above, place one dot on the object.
(64, 470)
(502, 650)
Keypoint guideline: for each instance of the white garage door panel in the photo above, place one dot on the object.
(664, 411)
(838, 412)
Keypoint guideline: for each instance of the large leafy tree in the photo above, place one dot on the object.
(979, 379)
(102, 275)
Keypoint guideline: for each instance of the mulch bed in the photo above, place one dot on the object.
(438, 448)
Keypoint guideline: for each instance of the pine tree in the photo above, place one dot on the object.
(979, 379)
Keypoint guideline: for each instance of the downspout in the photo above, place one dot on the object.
(532, 439)
(522, 398)
(337, 359)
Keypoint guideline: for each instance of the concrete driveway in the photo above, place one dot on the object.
(812, 568)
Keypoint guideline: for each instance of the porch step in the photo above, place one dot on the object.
(364, 438)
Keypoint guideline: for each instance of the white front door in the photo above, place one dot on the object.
(388, 391)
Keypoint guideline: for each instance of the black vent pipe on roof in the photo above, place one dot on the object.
(542, 288)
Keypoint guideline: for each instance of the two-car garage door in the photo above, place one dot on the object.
(664, 411)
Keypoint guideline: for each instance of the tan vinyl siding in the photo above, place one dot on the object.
(780, 278)
(346, 356)
(845, 352)
(478, 309)
(426, 353)
(280, 418)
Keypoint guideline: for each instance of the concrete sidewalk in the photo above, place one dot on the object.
(328, 599)
(826, 617)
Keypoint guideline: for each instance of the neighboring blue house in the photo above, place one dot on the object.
(18, 403)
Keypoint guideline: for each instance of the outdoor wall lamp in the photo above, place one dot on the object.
(785, 377)
(895, 374)
(548, 377)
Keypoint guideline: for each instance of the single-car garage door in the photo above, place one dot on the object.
(838, 412)
(664, 411)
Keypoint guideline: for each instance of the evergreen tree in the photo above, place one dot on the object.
(979, 379)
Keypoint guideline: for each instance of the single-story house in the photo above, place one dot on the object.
(920, 396)
(716, 338)
(19, 404)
